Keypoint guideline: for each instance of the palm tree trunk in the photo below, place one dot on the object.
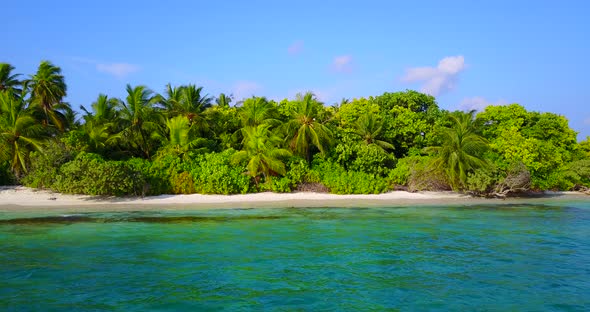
(144, 148)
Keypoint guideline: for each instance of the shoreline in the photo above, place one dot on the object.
(24, 199)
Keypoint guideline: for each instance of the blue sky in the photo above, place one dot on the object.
(466, 53)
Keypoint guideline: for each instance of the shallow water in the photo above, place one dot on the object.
(517, 257)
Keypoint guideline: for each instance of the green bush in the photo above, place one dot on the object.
(156, 174)
(372, 159)
(90, 174)
(76, 140)
(580, 172)
(575, 175)
(341, 181)
(355, 155)
(45, 165)
(417, 174)
(297, 172)
(280, 185)
(213, 173)
(482, 182)
(401, 173)
(405, 168)
(182, 183)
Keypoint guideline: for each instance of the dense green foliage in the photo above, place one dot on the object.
(215, 173)
(461, 149)
(342, 181)
(91, 174)
(543, 142)
(6, 176)
(184, 141)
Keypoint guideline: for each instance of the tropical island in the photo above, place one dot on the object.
(184, 141)
(295, 156)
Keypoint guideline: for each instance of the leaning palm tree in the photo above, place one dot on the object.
(19, 133)
(262, 152)
(369, 128)
(48, 88)
(304, 129)
(461, 149)
(9, 81)
(140, 121)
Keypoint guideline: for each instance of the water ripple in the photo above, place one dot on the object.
(526, 258)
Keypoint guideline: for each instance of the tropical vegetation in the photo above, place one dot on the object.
(186, 141)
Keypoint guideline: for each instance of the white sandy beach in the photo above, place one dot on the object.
(20, 198)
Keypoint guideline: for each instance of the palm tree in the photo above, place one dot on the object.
(140, 120)
(9, 81)
(178, 131)
(171, 100)
(19, 132)
(369, 128)
(257, 111)
(189, 102)
(98, 136)
(101, 121)
(261, 150)
(103, 110)
(70, 116)
(182, 138)
(48, 88)
(223, 100)
(461, 150)
(304, 128)
(193, 105)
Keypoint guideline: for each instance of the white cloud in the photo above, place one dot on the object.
(342, 64)
(296, 47)
(452, 65)
(436, 80)
(119, 70)
(478, 103)
(245, 89)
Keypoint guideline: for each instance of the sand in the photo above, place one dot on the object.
(20, 198)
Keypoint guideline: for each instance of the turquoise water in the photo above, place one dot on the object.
(513, 257)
